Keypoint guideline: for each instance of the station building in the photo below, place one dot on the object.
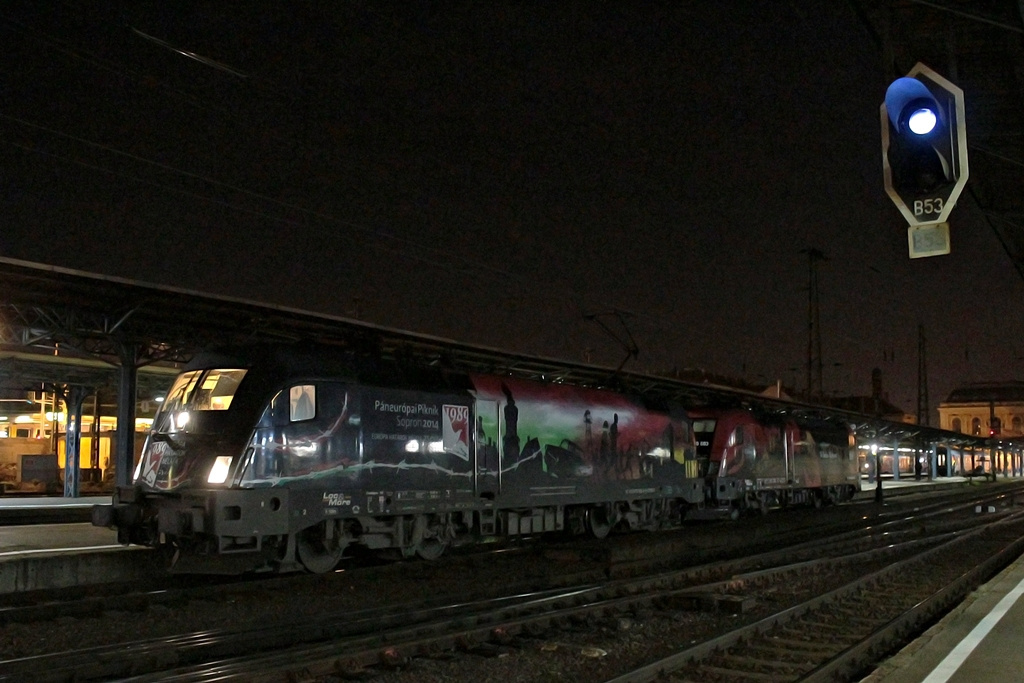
(985, 409)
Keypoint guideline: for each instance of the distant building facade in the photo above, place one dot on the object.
(984, 409)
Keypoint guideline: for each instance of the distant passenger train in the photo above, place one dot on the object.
(279, 458)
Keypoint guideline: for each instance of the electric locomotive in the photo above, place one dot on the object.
(758, 461)
(281, 458)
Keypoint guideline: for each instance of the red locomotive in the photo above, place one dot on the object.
(758, 461)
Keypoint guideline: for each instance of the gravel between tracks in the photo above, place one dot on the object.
(303, 597)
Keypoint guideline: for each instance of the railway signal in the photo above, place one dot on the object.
(924, 155)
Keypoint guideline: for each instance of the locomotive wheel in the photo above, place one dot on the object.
(434, 541)
(599, 521)
(763, 503)
(431, 548)
(318, 553)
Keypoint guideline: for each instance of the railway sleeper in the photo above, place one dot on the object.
(809, 646)
(748, 662)
(836, 633)
(725, 673)
(783, 655)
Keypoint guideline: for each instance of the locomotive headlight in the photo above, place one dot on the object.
(181, 419)
(219, 471)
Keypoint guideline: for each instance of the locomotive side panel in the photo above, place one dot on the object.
(307, 432)
(806, 458)
(563, 444)
(837, 458)
(417, 453)
(370, 450)
(742, 447)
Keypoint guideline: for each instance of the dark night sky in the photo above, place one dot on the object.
(493, 173)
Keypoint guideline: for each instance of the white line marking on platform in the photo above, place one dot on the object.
(58, 550)
(948, 666)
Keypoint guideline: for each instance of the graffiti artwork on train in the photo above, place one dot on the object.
(571, 432)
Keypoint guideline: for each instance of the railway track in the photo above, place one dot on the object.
(860, 621)
(413, 638)
(592, 561)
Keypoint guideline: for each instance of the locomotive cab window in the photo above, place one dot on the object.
(203, 390)
(704, 425)
(218, 389)
(302, 402)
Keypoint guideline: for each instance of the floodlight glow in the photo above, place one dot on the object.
(922, 121)
(219, 471)
(659, 453)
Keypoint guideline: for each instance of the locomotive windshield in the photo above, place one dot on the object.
(197, 390)
(181, 445)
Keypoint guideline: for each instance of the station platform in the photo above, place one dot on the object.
(978, 642)
(908, 484)
(47, 509)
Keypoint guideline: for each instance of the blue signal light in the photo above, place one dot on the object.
(911, 106)
(922, 121)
